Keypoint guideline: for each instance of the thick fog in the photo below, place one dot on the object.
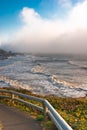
(59, 35)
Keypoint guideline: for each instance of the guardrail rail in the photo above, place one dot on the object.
(47, 108)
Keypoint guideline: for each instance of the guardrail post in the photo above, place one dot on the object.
(12, 98)
(45, 115)
(1, 126)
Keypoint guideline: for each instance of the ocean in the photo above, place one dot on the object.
(58, 75)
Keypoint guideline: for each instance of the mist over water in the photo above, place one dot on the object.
(37, 34)
(59, 75)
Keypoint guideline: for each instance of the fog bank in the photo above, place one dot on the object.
(39, 35)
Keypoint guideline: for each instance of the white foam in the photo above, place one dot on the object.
(37, 69)
(61, 82)
(14, 83)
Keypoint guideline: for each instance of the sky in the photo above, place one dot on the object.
(44, 26)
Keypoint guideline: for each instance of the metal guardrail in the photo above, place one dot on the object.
(60, 123)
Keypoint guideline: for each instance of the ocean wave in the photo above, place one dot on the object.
(41, 78)
(80, 64)
(75, 63)
(14, 83)
(45, 87)
(62, 82)
(70, 89)
(38, 69)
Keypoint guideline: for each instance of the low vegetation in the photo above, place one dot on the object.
(73, 110)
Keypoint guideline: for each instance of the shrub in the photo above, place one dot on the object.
(40, 118)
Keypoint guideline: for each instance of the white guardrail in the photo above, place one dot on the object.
(47, 108)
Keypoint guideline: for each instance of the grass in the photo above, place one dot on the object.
(73, 110)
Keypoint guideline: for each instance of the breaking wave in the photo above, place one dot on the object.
(13, 83)
(70, 88)
(80, 64)
(37, 69)
(62, 82)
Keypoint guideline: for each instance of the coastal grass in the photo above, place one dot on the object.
(73, 110)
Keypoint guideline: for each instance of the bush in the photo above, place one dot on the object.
(40, 118)
(50, 126)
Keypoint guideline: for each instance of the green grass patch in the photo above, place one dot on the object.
(40, 118)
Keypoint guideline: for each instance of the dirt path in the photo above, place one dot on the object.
(14, 119)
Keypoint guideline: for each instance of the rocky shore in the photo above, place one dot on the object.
(5, 54)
